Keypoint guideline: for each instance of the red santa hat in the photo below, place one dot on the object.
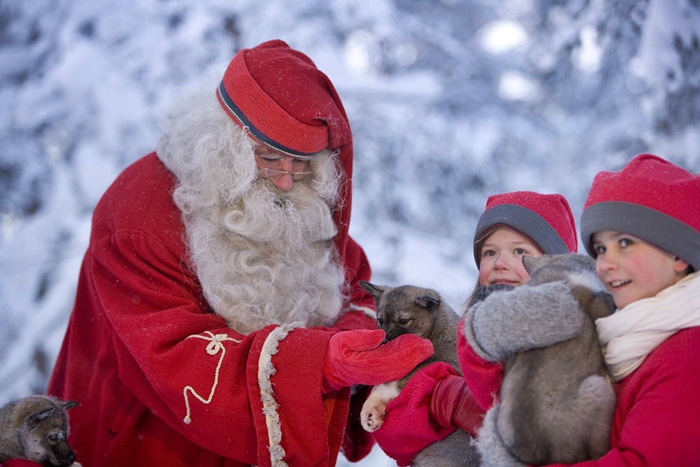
(545, 218)
(282, 100)
(279, 97)
(649, 198)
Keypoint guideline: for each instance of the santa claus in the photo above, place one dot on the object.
(218, 318)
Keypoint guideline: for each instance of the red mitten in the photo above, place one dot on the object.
(452, 404)
(357, 357)
(407, 427)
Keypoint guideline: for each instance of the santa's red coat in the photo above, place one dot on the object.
(163, 381)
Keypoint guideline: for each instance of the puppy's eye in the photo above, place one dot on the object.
(404, 321)
(380, 322)
(52, 437)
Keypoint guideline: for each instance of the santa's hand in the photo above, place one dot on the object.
(358, 357)
(508, 322)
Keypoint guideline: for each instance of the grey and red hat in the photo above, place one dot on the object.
(545, 218)
(649, 198)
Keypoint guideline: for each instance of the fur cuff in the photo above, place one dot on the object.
(265, 371)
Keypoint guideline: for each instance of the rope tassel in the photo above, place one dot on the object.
(215, 345)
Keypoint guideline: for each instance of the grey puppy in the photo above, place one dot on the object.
(556, 402)
(36, 428)
(415, 310)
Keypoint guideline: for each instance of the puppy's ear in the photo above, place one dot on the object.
(376, 291)
(425, 301)
(36, 418)
(529, 263)
(602, 306)
(65, 405)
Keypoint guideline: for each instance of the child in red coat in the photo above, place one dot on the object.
(436, 400)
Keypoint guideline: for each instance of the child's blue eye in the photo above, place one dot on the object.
(625, 242)
(598, 249)
(520, 251)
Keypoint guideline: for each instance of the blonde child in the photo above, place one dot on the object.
(516, 224)
(512, 225)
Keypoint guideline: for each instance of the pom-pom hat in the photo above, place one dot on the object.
(649, 198)
(545, 218)
(282, 100)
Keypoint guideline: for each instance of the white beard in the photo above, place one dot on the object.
(263, 256)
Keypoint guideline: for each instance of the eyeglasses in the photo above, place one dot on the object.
(273, 174)
(267, 158)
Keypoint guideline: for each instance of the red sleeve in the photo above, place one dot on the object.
(484, 378)
(407, 427)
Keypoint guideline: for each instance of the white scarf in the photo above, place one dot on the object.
(632, 333)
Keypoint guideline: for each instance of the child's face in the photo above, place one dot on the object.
(502, 258)
(632, 268)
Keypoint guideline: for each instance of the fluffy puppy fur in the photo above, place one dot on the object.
(36, 428)
(414, 310)
(556, 402)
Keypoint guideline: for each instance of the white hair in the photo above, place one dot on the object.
(262, 255)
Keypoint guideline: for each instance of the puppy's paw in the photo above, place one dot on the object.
(372, 415)
(374, 408)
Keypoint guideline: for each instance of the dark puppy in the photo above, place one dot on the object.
(36, 428)
(414, 310)
(556, 402)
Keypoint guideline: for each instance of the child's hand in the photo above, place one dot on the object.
(507, 322)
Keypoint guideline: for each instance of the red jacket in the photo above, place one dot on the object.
(163, 381)
(657, 416)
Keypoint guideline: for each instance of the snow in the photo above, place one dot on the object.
(501, 36)
(449, 102)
